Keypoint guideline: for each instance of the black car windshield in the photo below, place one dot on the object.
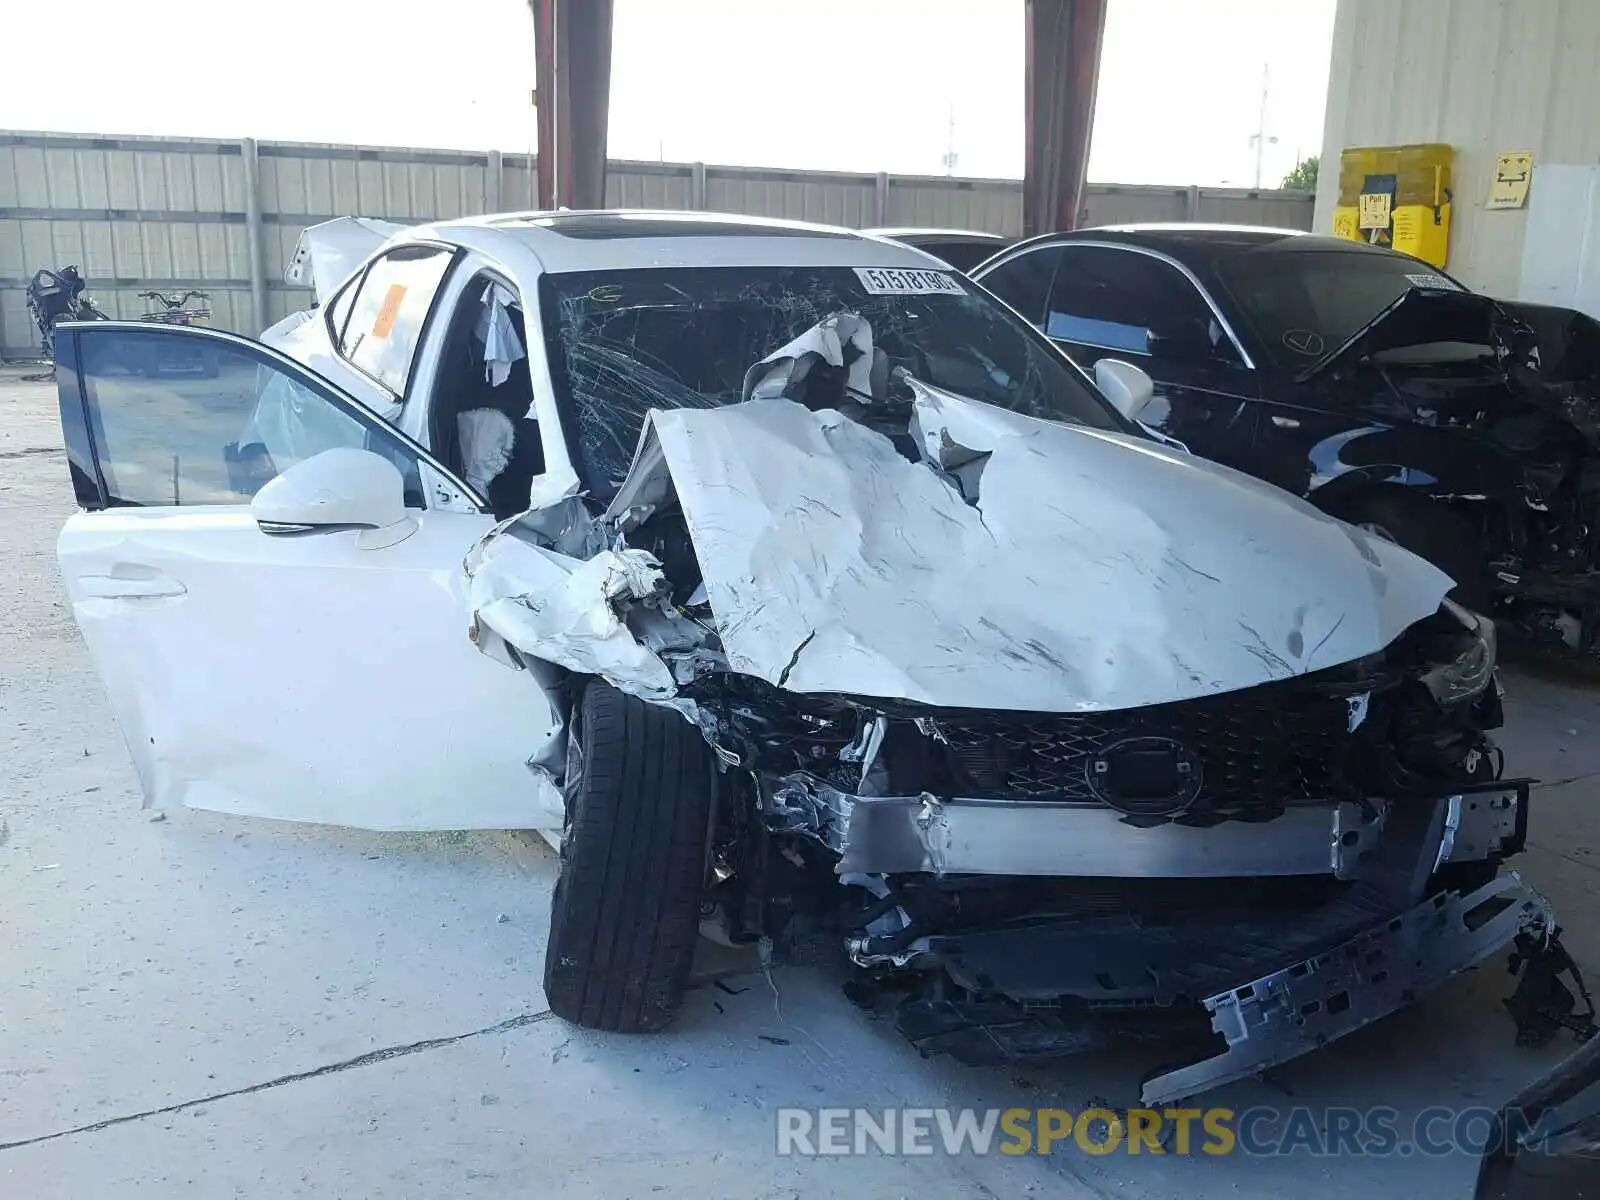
(1305, 304)
(621, 343)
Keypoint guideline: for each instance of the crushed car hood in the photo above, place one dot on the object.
(1420, 316)
(999, 562)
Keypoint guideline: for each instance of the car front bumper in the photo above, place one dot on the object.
(1130, 982)
(1316, 1000)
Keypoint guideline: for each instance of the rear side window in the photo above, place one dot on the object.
(389, 309)
(1024, 282)
(1115, 299)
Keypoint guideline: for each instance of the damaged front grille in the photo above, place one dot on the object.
(1240, 755)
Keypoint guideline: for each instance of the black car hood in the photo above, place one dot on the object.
(1419, 317)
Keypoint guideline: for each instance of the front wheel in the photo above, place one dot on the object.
(625, 917)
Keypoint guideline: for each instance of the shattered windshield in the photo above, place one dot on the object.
(1305, 304)
(623, 342)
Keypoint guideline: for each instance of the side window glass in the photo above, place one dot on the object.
(181, 419)
(388, 312)
(1024, 282)
(1130, 302)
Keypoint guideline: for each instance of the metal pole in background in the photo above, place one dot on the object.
(1061, 72)
(494, 171)
(544, 102)
(572, 62)
(254, 238)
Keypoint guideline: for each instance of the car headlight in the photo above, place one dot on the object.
(1473, 670)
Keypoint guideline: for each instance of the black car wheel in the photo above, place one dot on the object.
(1428, 529)
(626, 912)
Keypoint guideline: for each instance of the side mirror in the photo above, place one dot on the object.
(1127, 387)
(342, 488)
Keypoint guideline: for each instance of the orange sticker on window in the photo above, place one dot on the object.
(384, 322)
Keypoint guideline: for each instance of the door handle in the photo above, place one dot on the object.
(111, 587)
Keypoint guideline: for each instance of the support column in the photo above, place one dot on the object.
(572, 61)
(1063, 62)
(254, 237)
(494, 174)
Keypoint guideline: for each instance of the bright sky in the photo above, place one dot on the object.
(866, 85)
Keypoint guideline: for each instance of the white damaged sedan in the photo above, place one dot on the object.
(794, 586)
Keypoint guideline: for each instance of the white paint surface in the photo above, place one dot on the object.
(305, 678)
(1094, 571)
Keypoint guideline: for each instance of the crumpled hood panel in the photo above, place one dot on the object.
(1418, 317)
(1093, 571)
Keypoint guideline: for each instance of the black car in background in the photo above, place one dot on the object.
(1462, 427)
(962, 249)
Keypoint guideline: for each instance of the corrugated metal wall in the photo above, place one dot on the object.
(172, 214)
(1485, 76)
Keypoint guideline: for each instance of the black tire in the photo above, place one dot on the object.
(1430, 530)
(626, 912)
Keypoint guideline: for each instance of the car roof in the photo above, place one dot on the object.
(620, 239)
(1187, 242)
(916, 236)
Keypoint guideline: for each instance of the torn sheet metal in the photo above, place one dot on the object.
(566, 611)
(328, 253)
(1065, 570)
(843, 340)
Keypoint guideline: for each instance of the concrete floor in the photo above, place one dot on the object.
(206, 1006)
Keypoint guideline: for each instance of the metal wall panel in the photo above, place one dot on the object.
(1282, 210)
(168, 213)
(1486, 77)
(1111, 204)
(649, 185)
(992, 205)
(824, 197)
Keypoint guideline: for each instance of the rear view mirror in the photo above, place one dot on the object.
(342, 488)
(1127, 387)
